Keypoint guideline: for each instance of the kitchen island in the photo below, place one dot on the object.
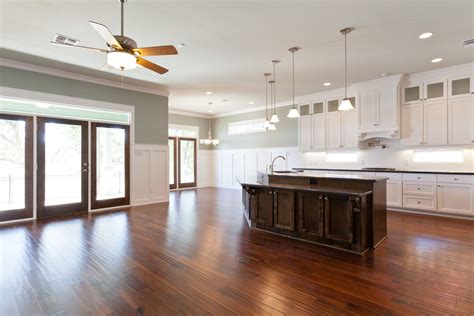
(343, 211)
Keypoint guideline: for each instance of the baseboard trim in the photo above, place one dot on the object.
(161, 199)
(430, 213)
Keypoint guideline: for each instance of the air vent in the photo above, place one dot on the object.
(468, 43)
(66, 40)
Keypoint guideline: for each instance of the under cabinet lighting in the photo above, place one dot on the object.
(439, 156)
(342, 157)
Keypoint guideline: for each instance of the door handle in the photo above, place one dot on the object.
(85, 170)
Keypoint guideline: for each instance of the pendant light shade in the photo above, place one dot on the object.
(272, 127)
(209, 140)
(267, 122)
(274, 119)
(293, 111)
(346, 104)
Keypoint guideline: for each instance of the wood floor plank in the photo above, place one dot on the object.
(196, 256)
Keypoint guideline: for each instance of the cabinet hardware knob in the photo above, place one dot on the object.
(419, 189)
(418, 178)
(455, 179)
(326, 198)
(419, 202)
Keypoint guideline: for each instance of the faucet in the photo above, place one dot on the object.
(272, 166)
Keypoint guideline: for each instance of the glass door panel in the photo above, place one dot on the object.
(187, 162)
(16, 167)
(62, 167)
(172, 162)
(110, 153)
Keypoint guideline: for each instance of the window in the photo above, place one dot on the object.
(247, 127)
(446, 156)
(342, 157)
(63, 111)
(183, 131)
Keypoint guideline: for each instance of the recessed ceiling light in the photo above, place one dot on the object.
(437, 60)
(209, 92)
(326, 84)
(180, 45)
(251, 103)
(425, 35)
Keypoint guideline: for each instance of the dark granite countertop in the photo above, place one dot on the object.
(311, 188)
(316, 175)
(389, 171)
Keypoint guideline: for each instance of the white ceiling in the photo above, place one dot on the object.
(229, 44)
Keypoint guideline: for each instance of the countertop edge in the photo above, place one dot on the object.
(388, 171)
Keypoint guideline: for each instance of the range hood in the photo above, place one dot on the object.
(379, 108)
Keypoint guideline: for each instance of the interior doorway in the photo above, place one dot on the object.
(182, 162)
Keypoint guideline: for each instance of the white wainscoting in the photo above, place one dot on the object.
(226, 166)
(149, 174)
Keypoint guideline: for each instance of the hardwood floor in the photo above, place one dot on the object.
(196, 255)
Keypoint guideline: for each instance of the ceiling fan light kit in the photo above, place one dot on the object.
(122, 52)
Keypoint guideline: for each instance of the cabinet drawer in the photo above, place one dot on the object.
(390, 176)
(420, 202)
(419, 188)
(456, 178)
(425, 177)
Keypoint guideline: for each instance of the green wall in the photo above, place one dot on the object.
(151, 111)
(286, 134)
(201, 122)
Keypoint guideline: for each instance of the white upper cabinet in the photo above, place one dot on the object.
(460, 87)
(412, 124)
(312, 126)
(435, 90)
(319, 131)
(435, 123)
(333, 130)
(306, 132)
(412, 94)
(461, 120)
(349, 128)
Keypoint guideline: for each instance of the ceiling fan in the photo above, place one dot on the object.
(122, 52)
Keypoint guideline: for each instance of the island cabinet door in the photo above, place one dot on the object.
(311, 214)
(284, 209)
(338, 219)
(263, 207)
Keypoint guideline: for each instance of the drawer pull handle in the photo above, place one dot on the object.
(456, 179)
(419, 202)
(419, 189)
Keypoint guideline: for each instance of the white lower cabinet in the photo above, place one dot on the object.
(419, 202)
(394, 193)
(455, 198)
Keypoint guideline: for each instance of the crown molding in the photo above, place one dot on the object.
(189, 113)
(75, 76)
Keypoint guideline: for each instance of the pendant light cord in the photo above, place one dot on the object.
(345, 65)
(122, 14)
(266, 97)
(274, 87)
(293, 57)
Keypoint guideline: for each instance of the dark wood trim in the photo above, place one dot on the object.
(175, 163)
(190, 184)
(26, 212)
(63, 209)
(98, 204)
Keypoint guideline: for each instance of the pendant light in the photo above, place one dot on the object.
(274, 119)
(272, 125)
(346, 104)
(267, 122)
(209, 140)
(293, 111)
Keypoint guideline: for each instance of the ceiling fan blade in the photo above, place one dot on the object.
(151, 66)
(106, 34)
(157, 50)
(80, 46)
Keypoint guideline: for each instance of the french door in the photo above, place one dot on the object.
(182, 162)
(110, 161)
(63, 168)
(16, 167)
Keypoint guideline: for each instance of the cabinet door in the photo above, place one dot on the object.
(319, 131)
(284, 209)
(388, 108)
(460, 120)
(349, 129)
(263, 207)
(455, 198)
(435, 90)
(459, 87)
(435, 123)
(394, 193)
(412, 124)
(338, 223)
(333, 130)
(311, 214)
(305, 133)
(412, 94)
(367, 109)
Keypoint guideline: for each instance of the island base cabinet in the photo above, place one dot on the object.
(311, 215)
(262, 207)
(284, 209)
